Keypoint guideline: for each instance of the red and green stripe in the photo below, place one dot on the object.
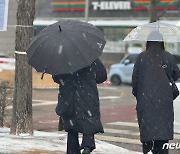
(162, 5)
(68, 6)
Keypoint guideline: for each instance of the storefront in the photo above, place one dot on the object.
(114, 17)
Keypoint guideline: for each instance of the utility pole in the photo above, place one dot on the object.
(153, 11)
(86, 10)
(22, 100)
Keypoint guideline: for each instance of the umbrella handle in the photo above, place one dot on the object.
(60, 28)
(43, 73)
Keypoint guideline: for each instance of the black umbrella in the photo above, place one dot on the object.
(65, 47)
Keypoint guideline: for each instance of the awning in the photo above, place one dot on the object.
(115, 23)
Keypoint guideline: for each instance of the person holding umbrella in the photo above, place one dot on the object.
(78, 106)
(69, 51)
(153, 91)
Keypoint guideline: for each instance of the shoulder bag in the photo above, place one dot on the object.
(174, 87)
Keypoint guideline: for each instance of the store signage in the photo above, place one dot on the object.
(161, 5)
(111, 5)
(3, 14)
(68, 6)
(108, 5)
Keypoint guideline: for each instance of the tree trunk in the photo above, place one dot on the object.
(4, 91)
(153, 11)
(3, 94)
(22, 101)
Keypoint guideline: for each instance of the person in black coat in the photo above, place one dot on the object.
(78, 105)
(154, 96)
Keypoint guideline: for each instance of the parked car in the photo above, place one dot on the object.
(6, 63)
(177, 111)
(122, 72)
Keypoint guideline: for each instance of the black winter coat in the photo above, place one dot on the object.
(153, 92)
(79, 92)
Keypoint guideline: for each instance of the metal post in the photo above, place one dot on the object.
(153, 13)
(87, 11)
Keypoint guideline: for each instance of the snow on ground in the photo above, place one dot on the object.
(50, 142)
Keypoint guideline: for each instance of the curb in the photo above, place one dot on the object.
(45, 88)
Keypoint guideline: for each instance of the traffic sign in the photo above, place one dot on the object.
(3, 14)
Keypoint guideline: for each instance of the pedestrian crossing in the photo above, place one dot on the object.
(120, 132)
(125, 135)
(123, 132)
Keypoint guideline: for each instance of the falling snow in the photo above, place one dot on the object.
(99, 44)
(71, 123)
(60, 49)
(62, 82)
(84, 35)
(89, 112)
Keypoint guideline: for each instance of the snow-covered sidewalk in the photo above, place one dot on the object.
(51, 142)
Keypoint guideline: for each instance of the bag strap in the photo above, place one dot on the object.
(164, 66)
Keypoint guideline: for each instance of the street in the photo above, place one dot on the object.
(117, 113)
(116, 103)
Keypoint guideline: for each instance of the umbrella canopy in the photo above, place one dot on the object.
(65, 47)
(170, 33)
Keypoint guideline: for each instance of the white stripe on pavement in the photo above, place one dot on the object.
(38, 104)
(117, 139)
(101, 98)
(126, 132)
(44, 102)
(109, 97)
(177, 136)
(108, 88)
(119, 123)
(120, 131)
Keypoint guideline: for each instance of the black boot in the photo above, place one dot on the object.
(86, 150)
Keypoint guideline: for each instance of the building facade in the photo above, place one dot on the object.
(116, 18)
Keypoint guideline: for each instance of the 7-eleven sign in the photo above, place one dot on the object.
(3, 14)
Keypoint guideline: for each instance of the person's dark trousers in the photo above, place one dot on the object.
(60, 125)
(88, 141)
(73, 143)
(147, 146)
(155, 147)
(158, 145)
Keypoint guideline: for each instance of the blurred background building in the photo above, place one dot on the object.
(114, 17)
